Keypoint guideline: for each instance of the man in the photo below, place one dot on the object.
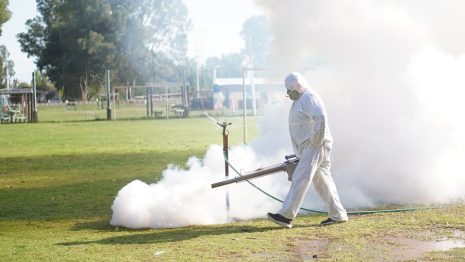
(311, 139)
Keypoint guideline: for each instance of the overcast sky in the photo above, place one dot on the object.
(216, 27)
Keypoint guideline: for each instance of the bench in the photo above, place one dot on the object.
(178, 112)
(19, 117)
(70, 104)
(158, 113)
(5, 118)
(13, 116)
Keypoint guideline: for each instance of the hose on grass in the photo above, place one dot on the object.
(356, 212)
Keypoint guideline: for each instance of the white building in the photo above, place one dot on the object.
(228, 93)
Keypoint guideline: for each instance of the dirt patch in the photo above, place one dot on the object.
(307, 250)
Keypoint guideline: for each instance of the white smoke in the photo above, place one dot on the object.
(392, 75)
(184, 196)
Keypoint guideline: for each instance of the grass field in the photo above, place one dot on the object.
(58, 181)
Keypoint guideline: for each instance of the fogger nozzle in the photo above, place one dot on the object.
(288, 166)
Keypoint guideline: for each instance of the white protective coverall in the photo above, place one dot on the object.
(311, 139)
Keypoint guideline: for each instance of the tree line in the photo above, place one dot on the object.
(7, 65)
(141, 41)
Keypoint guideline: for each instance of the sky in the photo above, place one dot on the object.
(21, 10)
(216, 26)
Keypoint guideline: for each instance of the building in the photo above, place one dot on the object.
(228, 93)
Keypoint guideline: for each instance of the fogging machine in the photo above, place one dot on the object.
(288, 166)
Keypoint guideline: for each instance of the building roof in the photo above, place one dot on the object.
(5, 91)
(239, 81)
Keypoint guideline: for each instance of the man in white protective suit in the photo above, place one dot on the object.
(311, 139)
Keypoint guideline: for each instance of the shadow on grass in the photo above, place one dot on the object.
(151, 236)
(171, 235)
(74, 186)
(103, 225)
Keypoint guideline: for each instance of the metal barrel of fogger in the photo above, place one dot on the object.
(253, 174)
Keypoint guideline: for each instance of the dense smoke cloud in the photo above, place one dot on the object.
(391, 74)
(184, 197)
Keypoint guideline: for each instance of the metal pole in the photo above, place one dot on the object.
(85, 98)
(114, 101)
(107, 88)
(7, 76)
(167, 102)
(226, 167)
(151, 102)
(29, 107)
(252, 85)
(244, 70)
(183, 87)
(198, 80)
(184, 90)
(35, 117)
(147, 101)
(225, 125)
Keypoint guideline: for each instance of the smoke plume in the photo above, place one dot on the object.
(184, 196)
(392, 75)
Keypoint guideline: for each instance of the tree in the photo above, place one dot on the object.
(153, 38)
(229, 65)
(70, 41)
(42, 82)
(205, 75)
(5, 14)
(33, 42)
(76, 41)
(257, 38)
(7, 65)
(7, 68)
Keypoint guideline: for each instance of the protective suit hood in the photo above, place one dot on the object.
(295, 84)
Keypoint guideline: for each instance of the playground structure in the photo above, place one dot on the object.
(161, 100)
(17, 106)
(227, 96)
(148, 95)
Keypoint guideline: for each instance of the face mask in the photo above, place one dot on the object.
(293, 94)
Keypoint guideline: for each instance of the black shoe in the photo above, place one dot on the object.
(330, 221)
(280, 220)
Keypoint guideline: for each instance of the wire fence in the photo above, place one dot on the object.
(132, 110)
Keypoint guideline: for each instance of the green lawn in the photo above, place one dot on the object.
(58, 181)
